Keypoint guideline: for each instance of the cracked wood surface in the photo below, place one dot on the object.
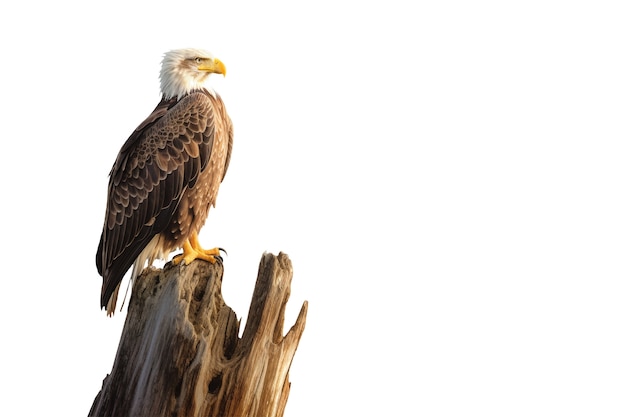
(180, 353)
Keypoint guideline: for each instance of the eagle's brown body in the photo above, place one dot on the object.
(163, 182)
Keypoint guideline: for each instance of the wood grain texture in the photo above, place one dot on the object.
(180, 353)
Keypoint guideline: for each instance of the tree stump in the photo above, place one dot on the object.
(180, 353)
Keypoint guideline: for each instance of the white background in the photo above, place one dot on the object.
(447, 177)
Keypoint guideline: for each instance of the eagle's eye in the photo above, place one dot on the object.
(198, 60)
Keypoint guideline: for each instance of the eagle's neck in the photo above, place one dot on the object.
(176, 84)
(169, 102)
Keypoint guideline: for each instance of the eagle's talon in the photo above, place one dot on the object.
(176, 260)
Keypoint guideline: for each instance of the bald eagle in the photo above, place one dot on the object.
(167, 175)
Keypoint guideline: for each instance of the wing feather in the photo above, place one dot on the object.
(157, 163)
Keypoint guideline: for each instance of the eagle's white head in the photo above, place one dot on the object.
(186, 70)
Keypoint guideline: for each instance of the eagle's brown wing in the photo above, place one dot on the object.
(163, 157)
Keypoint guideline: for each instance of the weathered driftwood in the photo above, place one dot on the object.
(180, 353)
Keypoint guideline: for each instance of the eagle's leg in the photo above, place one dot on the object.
(192, 251)
(195, 243)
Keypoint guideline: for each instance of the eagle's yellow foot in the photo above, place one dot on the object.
(193, 251)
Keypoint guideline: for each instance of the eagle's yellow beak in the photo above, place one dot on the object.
(213, 65)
